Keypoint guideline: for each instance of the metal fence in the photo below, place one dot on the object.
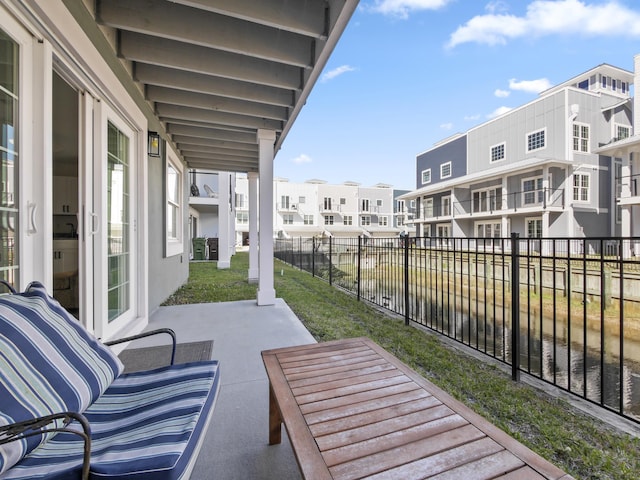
(564, 310)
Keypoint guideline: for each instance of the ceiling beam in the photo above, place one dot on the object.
(167, 112)
(239, 154)
(284, 14)
(208, 29)
(220, 166)
(201, 83)
(213, 133)
(194, 58)
(214, 102)
(220, 156)
(212, 142)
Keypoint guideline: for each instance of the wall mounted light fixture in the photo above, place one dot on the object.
(153, 145)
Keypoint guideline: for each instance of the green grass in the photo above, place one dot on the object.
(578, 443)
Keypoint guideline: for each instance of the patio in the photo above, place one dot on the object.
(236, 445)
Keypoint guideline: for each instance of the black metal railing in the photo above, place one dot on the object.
(564, 310)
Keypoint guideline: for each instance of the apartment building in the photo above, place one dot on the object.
(539, 170)
(317, 208)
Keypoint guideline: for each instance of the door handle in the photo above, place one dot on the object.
(32, 209)
(94, 224)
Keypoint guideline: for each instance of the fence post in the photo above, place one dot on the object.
(515, 307)
(358, 265)
(330, 261)
(405, 239)
(313, 256)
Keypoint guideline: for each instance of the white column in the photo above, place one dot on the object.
(266, 291)
(253, 227)
(224, 212)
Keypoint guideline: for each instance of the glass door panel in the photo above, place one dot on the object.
(118, 223)
(9, 155)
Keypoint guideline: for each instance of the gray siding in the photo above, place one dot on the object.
(454, 151)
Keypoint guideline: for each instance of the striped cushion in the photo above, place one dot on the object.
(145, 426)
(49, 364)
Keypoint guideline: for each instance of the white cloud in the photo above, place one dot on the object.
(471, 118)
(499, 111)
(302, 158)
(446, 126)
(336, 72)
(502, 93)
(402, 8)
(530, 86)
(547, 17)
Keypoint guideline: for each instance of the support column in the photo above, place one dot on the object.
(224, 213)
(266, 291)
(254, 269)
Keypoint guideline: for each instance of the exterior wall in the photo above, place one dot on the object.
(454, 151)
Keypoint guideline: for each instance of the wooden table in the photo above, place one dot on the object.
(353, 410)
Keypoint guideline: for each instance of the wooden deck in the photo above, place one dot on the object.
(352, 410)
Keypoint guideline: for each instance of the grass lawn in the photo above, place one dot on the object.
(578, 443)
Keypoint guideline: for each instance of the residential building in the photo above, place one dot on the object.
(536, 170)
(403, 213)
(106, 107)
(317, 208)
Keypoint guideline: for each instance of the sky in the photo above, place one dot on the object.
(407, 74)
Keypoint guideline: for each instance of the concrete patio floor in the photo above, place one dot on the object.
(236, 445)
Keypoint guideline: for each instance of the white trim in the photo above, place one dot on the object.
(442, 167)
(504, 152)
(534, 132)
(175, 245)
(422, 174)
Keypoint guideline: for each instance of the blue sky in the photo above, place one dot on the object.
(409, 73)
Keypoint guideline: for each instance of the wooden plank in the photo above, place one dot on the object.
(403, 445)
(440, 462)
(363, 407)
(358, 397)
(342, 382)
(333, 362)
(413, 460)
(346, 370)
(328, 357)
(485, 468)
(383, 427)
(352, 374)
(332, 393)
(378, 415)
(523, 473)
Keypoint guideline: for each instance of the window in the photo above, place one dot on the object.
(348, 220)
(302, 199)
(378, 202)
(343, 201)
(428, 208)
(365, 205)
(497, 152)
(489, 229)
(174, 174)
(365, 220)
(580, 187)
(618, 187)
(241, 201)
(284, 202)
(532, 192)
(328, 219)
(534, 227)
(383, 221)
(622, 132)
(426, 176)
(487, 200)
(580, 138)
(536, 140)
(400, 221)
(327, 203)
(242, 218)
(445, 170)
(443, 231)
(604, 81)
(400, 206)
(445, 206)
(308, 219)
(287, 218)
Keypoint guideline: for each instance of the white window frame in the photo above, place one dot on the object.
(494, 148)
(328, 219)
(308, 220)
(445, 206)
(580, 143)
(174, 245)
(347, 220)
(491, 223)
(616, 131)
(287, 219)
(538, 191)
(580, 189)
(426, 176)
(617, 185)
(383, 221)
(538, 221)
(365, 220)
(542, 131)
(443, 167)
(242, 218)
(491, 195)
(365, 205)
(428, 207)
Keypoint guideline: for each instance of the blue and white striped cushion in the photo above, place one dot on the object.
(49, 364)
(145, 426)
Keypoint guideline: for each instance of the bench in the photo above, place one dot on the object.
(353, 410)
(68, 411)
